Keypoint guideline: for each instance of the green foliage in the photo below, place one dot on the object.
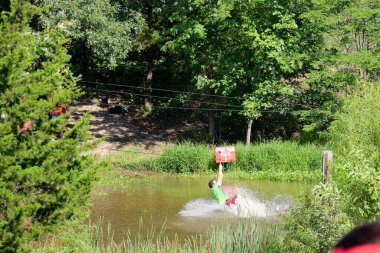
(350, 53)
(101, 26)
(246, 236)
(359, 182)
(73, 236)
(356, 135)
(352, 34)
(316, 222)
(356, 127)
(354, 195)
(297, 56)
(43, 177)
(182, 158)
(279, 156)
(263, 44)
(318, 98)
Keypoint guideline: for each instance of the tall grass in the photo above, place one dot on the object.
(357, 126)
(272, 157)
(245, 236)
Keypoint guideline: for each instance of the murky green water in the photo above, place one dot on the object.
(157, 202)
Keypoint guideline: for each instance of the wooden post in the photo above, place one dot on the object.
(327, 162)
(211, 127)
(249, 130)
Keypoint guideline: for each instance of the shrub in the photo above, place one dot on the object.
(43, 177)
(359, 182)
(316, 222)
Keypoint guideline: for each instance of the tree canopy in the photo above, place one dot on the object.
(297, 57)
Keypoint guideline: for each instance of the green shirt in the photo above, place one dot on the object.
(218, 194)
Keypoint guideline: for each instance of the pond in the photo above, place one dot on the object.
(182, 205)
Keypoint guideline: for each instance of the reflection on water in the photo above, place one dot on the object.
(183, 205)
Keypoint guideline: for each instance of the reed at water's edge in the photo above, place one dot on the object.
(245, 236)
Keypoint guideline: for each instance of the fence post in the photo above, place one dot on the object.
(327, 168)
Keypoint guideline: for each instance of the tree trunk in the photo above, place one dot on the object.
(211, 127)
(249, 130)
(220, 130)
(148, 88)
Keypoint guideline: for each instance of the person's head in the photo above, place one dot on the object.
(211, 183)
(364, 237)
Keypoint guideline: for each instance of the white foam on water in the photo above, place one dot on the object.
(247, 205)
(201, 208)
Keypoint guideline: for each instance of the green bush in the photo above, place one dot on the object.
(316, 222)
(359, 182)
(43, 177)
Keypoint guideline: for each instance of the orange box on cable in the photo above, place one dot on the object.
(225, 154)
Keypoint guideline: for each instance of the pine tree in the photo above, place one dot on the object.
(43, 176)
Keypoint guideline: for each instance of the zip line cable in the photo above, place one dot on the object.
(199, 108)
(174, 91)
(154, 96)
(172, 107)
(187, 108)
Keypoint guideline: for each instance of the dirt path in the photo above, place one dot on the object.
(118, 130)
(122, 130)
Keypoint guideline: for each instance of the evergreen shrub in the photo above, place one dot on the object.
(44, 179)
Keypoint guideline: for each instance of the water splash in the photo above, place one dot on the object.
(247, 205)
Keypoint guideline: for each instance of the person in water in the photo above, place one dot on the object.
(217, 192)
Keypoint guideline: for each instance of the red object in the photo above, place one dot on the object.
(59, 110)
(365, 248)
(26, 127)
(231, 200)
(225, 154)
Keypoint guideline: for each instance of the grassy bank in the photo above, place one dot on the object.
(276, 160)
(245, 236)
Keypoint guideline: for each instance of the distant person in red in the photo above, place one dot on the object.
(363, 239)
(27, 126)
(218, 193)
(57, 112)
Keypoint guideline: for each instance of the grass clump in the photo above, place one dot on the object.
(182, 158)
(281, 156)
